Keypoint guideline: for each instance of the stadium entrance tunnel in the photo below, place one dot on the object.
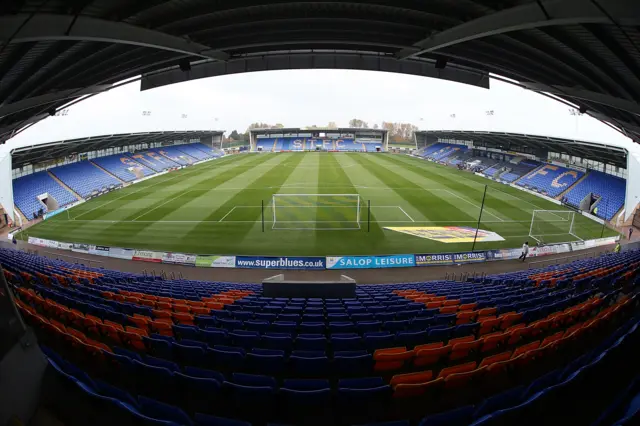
(49, 202)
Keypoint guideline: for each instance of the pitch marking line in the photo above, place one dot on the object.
(190, 172)
(537, 207)
(160, 205)
(225, 216)
(255, 221)
(473, 204)
(402, 210)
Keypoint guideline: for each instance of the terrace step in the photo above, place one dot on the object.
(528, 174)
(107, 172)
(62, 184)
(559, 197)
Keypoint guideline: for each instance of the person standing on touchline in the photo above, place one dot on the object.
(525, 251)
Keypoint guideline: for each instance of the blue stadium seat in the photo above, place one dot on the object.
(27, 189)
(85, 178)
(610, 189)
(123, 167)
(161, 410)
(551, 180)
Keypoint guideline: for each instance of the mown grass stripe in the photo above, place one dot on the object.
(261, 189)
(332, 171)
(466, 197)
(240, 233)
(162, 208)
(117, 199)
(429, 203)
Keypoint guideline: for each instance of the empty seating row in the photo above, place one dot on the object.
(154, 160)
(123, 167)
(85, 178)
(29, 193)
(610, 189)
(551, 180)
(166, 382)
(195, 151)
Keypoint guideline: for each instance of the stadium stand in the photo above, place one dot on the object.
(196, 352)
(460, 158)
(369, 146)
(194, 151)
(551, 180)
(610, 189)
(154, 160)
(494, 170)
(176, 155)
(519, 170)
(119, 165)
(215, 153)
(351, 145)
(440, 151)
(85, 178)
(310, 144)
(269, 144)
(26, 190)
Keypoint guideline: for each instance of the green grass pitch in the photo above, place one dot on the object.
(214, 208)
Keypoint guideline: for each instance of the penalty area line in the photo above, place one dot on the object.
(225, 216)
(407, 214)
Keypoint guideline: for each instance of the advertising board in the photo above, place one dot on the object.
(367, 262)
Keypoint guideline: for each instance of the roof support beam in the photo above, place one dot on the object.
(24, 28)
(529, 16)
(586, 95)
(10, 130)
(49, 98)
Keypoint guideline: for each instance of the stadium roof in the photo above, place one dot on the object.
(54, 150)
(584, 51)
(511, 141)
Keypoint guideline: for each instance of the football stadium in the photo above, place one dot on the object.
(388, 274)
(323, 196)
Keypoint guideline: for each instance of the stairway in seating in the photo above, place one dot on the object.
(22, 216)
(62, 184)
(528, 174)
(107, 171)
(563, 193)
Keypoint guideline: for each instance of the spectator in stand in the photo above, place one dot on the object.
(630, 232)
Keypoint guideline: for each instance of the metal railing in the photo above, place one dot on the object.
(464, 276)
(565, 259)
(76, 259)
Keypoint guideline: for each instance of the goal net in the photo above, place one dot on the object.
(553, 226)
(316, 211)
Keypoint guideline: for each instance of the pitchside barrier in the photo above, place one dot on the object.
(320, 263)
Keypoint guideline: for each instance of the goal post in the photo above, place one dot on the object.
(316, 211)
(553, 226)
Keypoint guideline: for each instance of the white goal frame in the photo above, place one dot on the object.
(571, 232)
(356, 222)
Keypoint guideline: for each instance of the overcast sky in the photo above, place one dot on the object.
(307, 97)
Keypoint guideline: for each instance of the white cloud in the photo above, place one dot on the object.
(302, 98)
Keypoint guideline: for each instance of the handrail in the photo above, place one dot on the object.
(561, 259)
(90, 261)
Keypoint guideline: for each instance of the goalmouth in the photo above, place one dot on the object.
(316, 211)
(553, 226)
